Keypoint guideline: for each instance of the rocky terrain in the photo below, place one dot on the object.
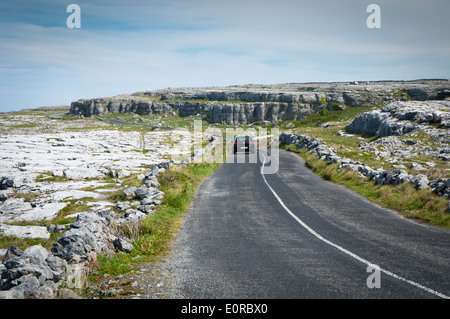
(380, 176)
(258, 103)
(57, 177)
(411, 137)
(62, 169)
(404, 117)
(56, 167)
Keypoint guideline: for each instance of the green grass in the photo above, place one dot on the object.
(325, 116)
(118, 195)
(422, 205)
(152, 236)
(73, 206)
(49, 177)
(349, 146)
(23, 126)
(24, 243)
(146, 122)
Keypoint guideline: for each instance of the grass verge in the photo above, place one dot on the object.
(153, 236)
(422, 205)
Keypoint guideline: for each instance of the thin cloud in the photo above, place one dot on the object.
(123, 47)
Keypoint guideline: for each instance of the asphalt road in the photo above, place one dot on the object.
(294, 235)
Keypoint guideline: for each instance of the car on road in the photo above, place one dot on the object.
(244, 144)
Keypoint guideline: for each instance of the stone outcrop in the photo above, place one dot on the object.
(99, 106)
(215, 112)
(256, 103)
(400, 118)
(392, 148)
(12, 181)
(379, 176)
(441, 187)
(38, 273)
(35, 188)
(31, 273)
(24, 231)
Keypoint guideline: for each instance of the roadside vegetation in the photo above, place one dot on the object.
(152, 237)
(422, 205)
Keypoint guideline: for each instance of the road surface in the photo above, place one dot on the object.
(294, 235)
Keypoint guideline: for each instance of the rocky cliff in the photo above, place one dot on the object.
(257, 103)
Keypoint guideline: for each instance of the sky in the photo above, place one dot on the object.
(128, 46)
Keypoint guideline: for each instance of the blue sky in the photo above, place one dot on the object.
(128, 46)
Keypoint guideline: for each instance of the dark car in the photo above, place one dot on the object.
(243, 144)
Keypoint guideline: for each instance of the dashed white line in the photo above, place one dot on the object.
(342, 249)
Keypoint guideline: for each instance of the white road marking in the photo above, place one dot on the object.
(342, 249)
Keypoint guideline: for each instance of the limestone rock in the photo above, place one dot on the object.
(400, 118)
(123, 245)
(24, 231)
(272, 103)
(380, 176)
